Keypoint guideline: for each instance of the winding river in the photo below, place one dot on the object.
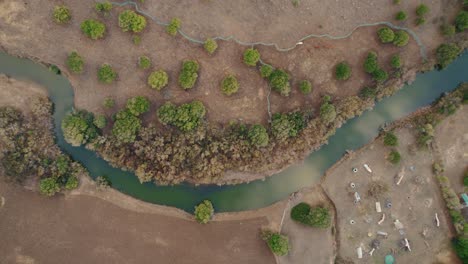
(354, 134)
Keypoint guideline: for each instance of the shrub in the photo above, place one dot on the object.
(138, 105)
(158, 79)
(448, 30)
(300, 213)
(186, 117)
(72, 183)
(368, 92)
(401, 16)
(75, 62)
(343, 71)
(386, 35)
(136, 40)
(394, 157)
(62, 14)
(108, 103)
(461, 21)
(126, 126)
(460, 244)
(305, 87)
(251, 57)
(78, 128)
(465, 180)
(106, 74)
(319, 217)
(327, 112)
(420, 21)
(49, 186)
(380, 75)
(401, 38)
(390, 139)
(204, 211)
(277, 243)
(173, 26)
(284, 126)
(188, 74)
(266, 70)
(210, 45)
(131, 21)
(93, 29)
(371, 63)
(100, 121)
(144, 62)
(279, 81)
(103, 7)
(422, 10)
(55, 69)
(229, 85)
(395, 61)
(258, 136)
(446, 53)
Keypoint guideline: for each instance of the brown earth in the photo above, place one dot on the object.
(10, 95)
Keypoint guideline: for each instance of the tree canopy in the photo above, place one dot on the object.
(188, 74)
(62, 14)
(131, 21)
(75, 62)
(279, 81)
(446, 53)
(158, 79)
(93, 29)
(258, 136)
(78, 128)
(342, 71)
(186, 117)
(229, 85)
(106, 74)
(251, 57)
(126, 126)
(204, 211)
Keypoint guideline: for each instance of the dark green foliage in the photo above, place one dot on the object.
(100, 121)
(446, 53)
(173, 26)
(390, 139)
(103, 7)
(315, 217)
(131, 21)
(401, 16)
(327, 111)
(106, 74)
(72, 183)
(229, 85)
(126, 126)
(55, 69)
(144, 62)
(465, 180)
(279, 81)
(49, 186)
(422, 10)
(204, 211)
(108, 103)
(186, 117)
(258, 136)
(210, 45)
(284, 126)
(394, 157)
(420, 21)
(368, 92)
(395, 61)
(448, 30)
(266, 70)
(188, 74)
(300, 213)
(401, 38)
(380, 75)
(158, 80)
(305, 87)
(342, 71)
(371, 63)
(461, 21)
(460, 244)
(78, 128)
(75, 62)
(62, 14)
(251, 57)
(138, 105)
(277, 243)
(93, 29)
(386, 35)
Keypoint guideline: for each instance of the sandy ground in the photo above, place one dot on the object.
(11, 97)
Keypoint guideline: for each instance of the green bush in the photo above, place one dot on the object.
(422, 10)
(394, 157)
(277, 243)
(401, 16)
(266, 70)
(251, 57)
(62, 14)
(72, 183)
(158, 79)
(210, 45)
(401, 38)
(386, 35)
(465, 180)
(390, 139)
(138, 105)
(380, 75)
(315, 217)
(186, 117)
(395, 61)
(100, 121)
(300, 213)
(460, 244)
(93, 29)
(131, 21)
(108, 103)
(106, 74)
(55, 69)
(173, 26)
(258, 136)
(371, 63)
(446, 53)
(78, 128)
(229, 85)
(305, 87)
(126, 126)
(448, 30)
(103, 7)
(188, 74)
(288, 125)
(49, 186)
(420, 21)
(327, 112)
(368, 92)
(75, 62)
(204, 211)
(342, 71)
(144, 62)
(279, 81)
(461, 21)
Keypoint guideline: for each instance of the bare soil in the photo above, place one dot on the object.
(18, 94)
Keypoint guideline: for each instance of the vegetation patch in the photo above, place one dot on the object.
(144, 62)
(446, 53)
(305, 87)
(185, 117)
(342, 71)
(229, 85)
(279, 82)
(288, 125)
(93, 29)
(106, 74)
(204, 211)
(251, 57)
(158, 80)
(75, 62)
(62, 14)
(173, 26)
(131, 21)
(278, 244)
(188, 74)
(210, 45)
(258, 136)
(315, 217)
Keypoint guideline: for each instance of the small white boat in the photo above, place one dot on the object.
(367, 168)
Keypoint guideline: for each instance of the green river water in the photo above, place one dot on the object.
(354, 134)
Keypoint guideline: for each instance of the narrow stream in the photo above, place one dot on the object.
(354, 134)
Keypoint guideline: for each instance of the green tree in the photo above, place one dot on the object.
(390, 139)
(300, 213)
(279, 81)
(380, 75)
(75, 62)
(93, 29)
(277, 243)
(144, 62)
(342, 71)
(49, 186)
(401, 16)
(422, 10)
(394, 157)
(258, 136)
(284, 126)
(266, 70)
(106, 74)
(173, 26)
(305, 87)
(448, 30)
(327, 112)
(100, 121)
(210, 45)
(251, 57)
(401, 38)
(386, 35)
(460, 244)
(131, 21)
(108, 103)
(371, 63)
(461, 21)
(103, 7)
(72, 183)
(420, 21)
(126, 126)
(62, 14)
(368, 92)
(319, 217)
(395, 61)
(78, 128)
(189, 74)
(158, 80)
(446, 53)
(186, 117)
(229, 85)
(138, 105)
(204, 211)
